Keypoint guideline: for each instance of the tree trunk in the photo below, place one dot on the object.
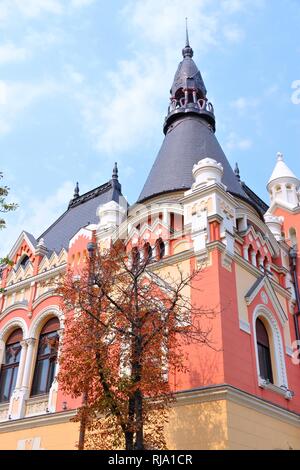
(82, 427)
(139, 435)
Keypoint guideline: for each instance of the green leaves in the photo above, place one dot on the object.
(5, 206)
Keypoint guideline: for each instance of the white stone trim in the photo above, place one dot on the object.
(17, 322)
(245, 326)
(266, 284)
(37, 323)
(281, 376)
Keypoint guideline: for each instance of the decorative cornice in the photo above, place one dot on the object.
(38, 277)
(37, 421)
(239, 397)
(257, 273)
(171, 260)
(187, 397)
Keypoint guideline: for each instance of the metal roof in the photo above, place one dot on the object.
(81, 212)
(187, 141)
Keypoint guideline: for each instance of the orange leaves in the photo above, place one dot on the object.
(124, 331)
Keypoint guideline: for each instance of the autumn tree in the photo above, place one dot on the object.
(126, 328)
(4, 205)
(4, 208)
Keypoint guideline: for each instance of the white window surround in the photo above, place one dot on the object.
(279, 371)
(28, 358)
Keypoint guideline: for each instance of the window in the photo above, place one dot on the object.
(263, 349)
(160, 248)
(24, 261)
(135, 257)
(10, 366)
(46, 358)
(148, 251)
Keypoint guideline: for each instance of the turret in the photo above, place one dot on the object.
(283, 186)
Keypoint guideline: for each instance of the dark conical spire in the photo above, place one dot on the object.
(76, 191)
(189, 137)
(188, 92)
(187, 51)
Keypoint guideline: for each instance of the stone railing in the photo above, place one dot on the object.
(4, 411)
(36, 405)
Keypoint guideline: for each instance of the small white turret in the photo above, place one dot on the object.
(275, 225)
(283, 186)
(111, 215)
(207, 172)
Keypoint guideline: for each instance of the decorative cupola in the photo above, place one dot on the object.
(283, 186)
(189, 130)
(188, 92)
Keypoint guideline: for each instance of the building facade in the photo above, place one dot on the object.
(193, 210)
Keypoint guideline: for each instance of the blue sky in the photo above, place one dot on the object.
(84, 83)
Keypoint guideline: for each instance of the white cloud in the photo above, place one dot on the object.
(33, 215)
(233, 33)
(136, 92)
(234, 142)
(11, 53)
(34, 8)
(117, 119)
(244, 104)
(16, 97)
(81, 3)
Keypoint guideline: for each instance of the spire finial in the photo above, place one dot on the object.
(187, 51)
(237, 172)
(115, 172)
(76, 191)
(187, 42)
(280, 157)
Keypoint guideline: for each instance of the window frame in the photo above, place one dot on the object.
(51, 357)
(14, 366)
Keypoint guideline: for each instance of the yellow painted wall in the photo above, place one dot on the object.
(198, 426)
(53, 437)
(208, 425)
(250, 429)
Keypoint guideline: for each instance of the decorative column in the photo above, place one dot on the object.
(186, 97)
(21, 364)
(253, 258)
(2, 349)
(28, 365)
(51, 407)
(246, 253)
(17, 404)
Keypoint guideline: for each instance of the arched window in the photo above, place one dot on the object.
(160, 248)
(264, 354)
(147, 251)
(10, 366)
(135, 257)
(46, 358)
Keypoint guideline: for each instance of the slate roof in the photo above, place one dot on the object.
(188, 75)
(187, 141)
(81, 212)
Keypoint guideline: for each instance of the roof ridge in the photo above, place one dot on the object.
(93, 193)
(90, 194)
